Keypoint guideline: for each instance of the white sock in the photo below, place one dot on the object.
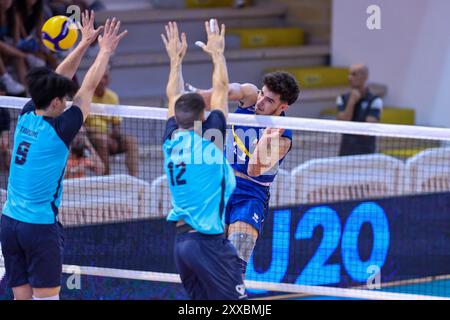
(47, 298)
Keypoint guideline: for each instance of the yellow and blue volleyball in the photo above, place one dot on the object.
(59, 33)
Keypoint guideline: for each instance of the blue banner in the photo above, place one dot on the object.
(340, 244)
(349, 243)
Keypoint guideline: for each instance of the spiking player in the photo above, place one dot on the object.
(31, 237)
(255, 155)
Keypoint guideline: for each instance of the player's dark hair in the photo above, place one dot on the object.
(189, 108)
(45, 85)
(284, 84)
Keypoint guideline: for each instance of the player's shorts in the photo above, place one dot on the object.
(209, 267)
(33, 253)
(248, 204)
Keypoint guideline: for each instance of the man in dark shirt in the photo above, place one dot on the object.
(359, 105)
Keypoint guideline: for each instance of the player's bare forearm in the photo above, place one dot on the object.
(108, 43)
(69, 66)
(176, 48)
(83, 98)
(219, 96)
(175, 85)
(247, 93)
(89, 34)
(347, 114)
(271, 148)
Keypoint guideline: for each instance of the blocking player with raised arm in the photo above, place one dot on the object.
(255, 155)
(200, 187)
(32, 238)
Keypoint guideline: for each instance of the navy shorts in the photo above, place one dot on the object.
(209, 267)
(33, 253)
(250, 210)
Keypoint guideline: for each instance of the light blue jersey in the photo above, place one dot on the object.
(39, 157)
(200, 187)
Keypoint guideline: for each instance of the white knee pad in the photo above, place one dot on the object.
(47, 298)
(244, 244)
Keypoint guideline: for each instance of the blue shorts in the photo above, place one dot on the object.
(209, 267)
(33, 253)
(248, 204)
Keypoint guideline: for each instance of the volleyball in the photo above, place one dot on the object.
(59, 33)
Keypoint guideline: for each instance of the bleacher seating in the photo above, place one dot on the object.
(160, 197)
(268, 37)
(429, 171)
(345, 178)
(104, 199)
(318, 76)
(282, 191)
(141, 64)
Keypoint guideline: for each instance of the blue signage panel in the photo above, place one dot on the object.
(339, 244)
(348, 243)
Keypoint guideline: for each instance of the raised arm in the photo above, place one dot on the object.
(69, 66)
(107, 44)
(176, 50)
(246, 93)
(271, 148)
(215, 48)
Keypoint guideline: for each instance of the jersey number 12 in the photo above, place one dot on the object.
(177, 181)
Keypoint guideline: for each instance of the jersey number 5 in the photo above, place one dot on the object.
(177, 181)
(22, 152)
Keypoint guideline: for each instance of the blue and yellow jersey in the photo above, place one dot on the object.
(241, 144)
(200, 179)
(38, 161)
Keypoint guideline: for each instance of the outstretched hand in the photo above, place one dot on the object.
(176, 48)
(110, 39)
(216, 38)
(88, 32)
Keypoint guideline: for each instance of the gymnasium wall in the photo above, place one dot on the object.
(410, 54)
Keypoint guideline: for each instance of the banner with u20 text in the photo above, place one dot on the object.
(339, 244)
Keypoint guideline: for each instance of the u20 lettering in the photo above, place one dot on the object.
(336, 235)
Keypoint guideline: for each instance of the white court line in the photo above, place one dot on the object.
(275, 287)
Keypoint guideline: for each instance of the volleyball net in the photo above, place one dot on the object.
(357, 210)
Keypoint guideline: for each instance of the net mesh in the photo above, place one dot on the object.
(366, 226)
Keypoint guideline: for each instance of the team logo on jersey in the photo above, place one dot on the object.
(240, 288)
(241, 156)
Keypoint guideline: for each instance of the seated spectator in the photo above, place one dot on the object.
(359, 105)
(12, 87)
(5, 121)
(83, 157)
(30, 18)
(105, 134)
(10, 55)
